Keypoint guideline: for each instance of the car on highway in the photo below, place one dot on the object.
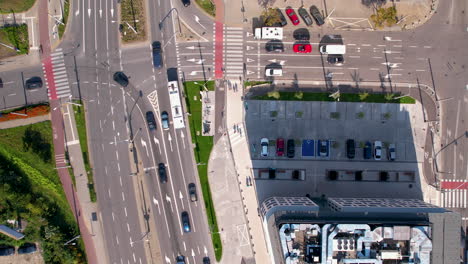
(323, 148)
(272, 72)
(150, 120)
(192, 192)
(350, 148)
(185, 222)
(121, 78)
(391, 152)
(180, 260)
(34, 83)
(290, 148)
(302, 48)
(292, 15)
(367, 151)
(315, 12)
(1, 83)
(283, 22)
(279, 147)
(165, 120)
(378, 150)
(274, 45)
(305, 16)
(157, 56)
(186, 2)
(162, 172)
(264, 145)
(337, 59)
(206, 260)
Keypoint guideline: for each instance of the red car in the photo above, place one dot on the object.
(279, 147)
(302, 48)
(292, 15)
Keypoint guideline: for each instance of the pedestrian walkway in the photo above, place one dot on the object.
(57, 76)
(233, 51)
(453, 198)
(236, 134)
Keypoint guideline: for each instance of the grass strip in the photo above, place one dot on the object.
(66, 11)
(344, 97)
(208, 6)
(15, 6)
(132, 13)
(203, 146)
(17, 35)
(80, 121)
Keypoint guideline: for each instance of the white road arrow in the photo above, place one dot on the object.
(282, 62)
(168, 261)
(112, 8)
(198, 21)
(250, 72)
(194, 47)
(170, 140)
(170, 202)
(249, 34)
(156, 141)
(100, 13)
(182, 136)
(156, 202)
(143, 143)
(205, 251)
(250, 60)
(192, 73)
(273, 60)
(193, 256)
(181, 197)
(89, 12)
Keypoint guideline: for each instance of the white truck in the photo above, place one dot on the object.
(269, 33)
(333, 49)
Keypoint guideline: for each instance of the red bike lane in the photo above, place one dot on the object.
(219, 39)
(58, 131)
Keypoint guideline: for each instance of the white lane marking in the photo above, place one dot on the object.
(120, 179)
(134, 259)
(413, 46)
(354, 56)
(128, 227)
(125, 209)
(123, 196)
(113, 217)
(420, 70)
(117, 239)
(427, 47)
(185, 247)
(118, 166)
(108, 191)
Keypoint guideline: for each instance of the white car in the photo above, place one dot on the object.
(378, 150)
(274, 72)
(391, 153)
(264, 145)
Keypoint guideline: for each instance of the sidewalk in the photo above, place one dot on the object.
(82, 190)
(24, 122)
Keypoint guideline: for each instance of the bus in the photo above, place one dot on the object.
(176, 107)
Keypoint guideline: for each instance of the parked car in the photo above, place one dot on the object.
(337, 60)
(350, 148)
(264, 145)
(7, 250)
(292, 15)
(34, 83)
(162, 172)
(185, 222)
(367, 151)
(274, 45)
(323, 148)
(305, 16)
(272, 72)
(27, 248)
(291, 148)
(279, 147)
(283, 22)
(314, 11)
(180, 260)
(378, 150)
(206, 260)
(192, 192)
(121, 78)
(186, 2)
(157, 56)
(302, 48)
(301, 34)
(165, 120)
(150, 120)
(391, 153)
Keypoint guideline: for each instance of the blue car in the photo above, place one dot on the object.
(185, 222)
(367, 150)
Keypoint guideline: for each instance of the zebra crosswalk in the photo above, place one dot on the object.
(59, 76)
(233, 51)
(453, 198)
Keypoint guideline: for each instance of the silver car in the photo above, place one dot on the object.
(264, 144)
(305, 16)
(165, 120)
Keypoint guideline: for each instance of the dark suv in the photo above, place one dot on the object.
(121, 78)
(157, 57)
(274, 46)
(34, 83)
(151, 121)
(350, 148)
(315, 12)
(162, 172)
(291, 148)
(283, 22)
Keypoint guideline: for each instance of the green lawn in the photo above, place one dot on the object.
(80, 120)
(208, 6)
(16, 6)
(345, 97)
(30, 189)
(16, 37)
(203, 146)
(66, 11)
(133, 13)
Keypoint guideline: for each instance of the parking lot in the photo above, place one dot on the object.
(309, 123)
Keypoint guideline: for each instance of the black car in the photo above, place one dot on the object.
(283, 22)
(1, 83)
(151, 121)
(367, 150)
(192, 192)
(165, 120)
(7, 250)
(162, 172)
(27, 248)
(185, 222)
(157, 57)
(206, 260)
(350, 148)
(314, 11)
(305, 16)
(301, 34)
(121, 78)
(180, 260)
(335, 59)
(274, 46)
(186, 2)
(34, 83)
(290, 148)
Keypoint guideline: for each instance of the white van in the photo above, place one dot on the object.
(273, 72)
(333, 49)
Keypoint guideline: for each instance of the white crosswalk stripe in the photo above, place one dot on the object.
(454, 198)
(236, 135)
(233, 53)
(60, 75)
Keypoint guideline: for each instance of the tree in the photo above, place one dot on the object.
(384, 17)
(270, 17)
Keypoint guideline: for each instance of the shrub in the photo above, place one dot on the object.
(273, 113)
(299, 95)
(363, 96)
(274, 94)
(299, 114)
(360, 115)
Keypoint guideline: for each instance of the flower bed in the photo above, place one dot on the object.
(23, 113)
